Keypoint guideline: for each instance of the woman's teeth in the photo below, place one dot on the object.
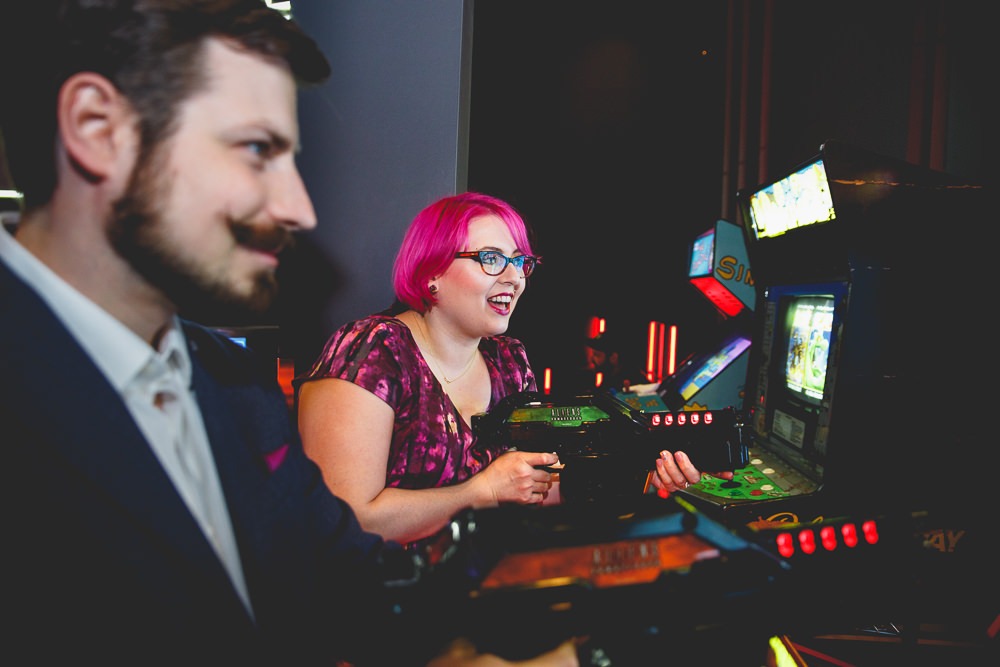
(501, 300)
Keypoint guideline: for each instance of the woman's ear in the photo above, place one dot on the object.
(96, 126)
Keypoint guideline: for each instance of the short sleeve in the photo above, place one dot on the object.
(370, 353)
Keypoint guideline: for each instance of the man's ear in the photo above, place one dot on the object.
(96, 125)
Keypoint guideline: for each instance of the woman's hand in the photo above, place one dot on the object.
(675, 472)
(513, 478)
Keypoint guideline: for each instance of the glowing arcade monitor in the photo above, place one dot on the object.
(718, 266)
(859, 287)
(800, 199)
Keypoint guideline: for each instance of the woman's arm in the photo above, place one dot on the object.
(347, 431)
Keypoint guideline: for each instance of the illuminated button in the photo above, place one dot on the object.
(708, 417)
(657, 420)
(850, 533)
(870, 531)
(695, 418)
(681, 419)
(668, 419)
(808, 541)
(786, 545)
(828, 535)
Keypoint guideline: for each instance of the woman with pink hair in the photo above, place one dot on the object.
(386, 409)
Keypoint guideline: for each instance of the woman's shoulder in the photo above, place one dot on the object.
(376, 341)
(379, 324)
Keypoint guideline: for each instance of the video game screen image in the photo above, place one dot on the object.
(803, 198)
(702, 254)
(714, 365)
(808, 346)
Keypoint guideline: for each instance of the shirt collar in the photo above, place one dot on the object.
(117, 351)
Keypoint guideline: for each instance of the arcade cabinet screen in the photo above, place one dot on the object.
(702, 254)
(809, 320)
(800, 199)
(713, 366)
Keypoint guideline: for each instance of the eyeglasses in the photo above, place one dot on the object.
(494, 263)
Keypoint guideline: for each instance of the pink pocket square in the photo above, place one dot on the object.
(276, 458)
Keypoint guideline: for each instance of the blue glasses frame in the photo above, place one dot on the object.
(490, 261)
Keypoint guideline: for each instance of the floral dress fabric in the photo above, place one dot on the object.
(431, 444)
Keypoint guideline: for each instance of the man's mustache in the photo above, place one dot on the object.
(271, 239)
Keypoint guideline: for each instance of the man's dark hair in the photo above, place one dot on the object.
(151, 50)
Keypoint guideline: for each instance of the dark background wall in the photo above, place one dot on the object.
(620, 129)
(382, 138)
(606, 124)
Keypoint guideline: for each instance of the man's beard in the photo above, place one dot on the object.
(137, 232)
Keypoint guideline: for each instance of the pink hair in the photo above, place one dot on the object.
(436, 234)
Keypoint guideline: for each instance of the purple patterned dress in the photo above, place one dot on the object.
(431, 443)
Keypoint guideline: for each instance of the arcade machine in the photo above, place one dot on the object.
(865, 388)
(861, 341)
(720, 269)
(855, 432)
(714, 379)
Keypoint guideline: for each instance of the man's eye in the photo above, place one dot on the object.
(259, 148)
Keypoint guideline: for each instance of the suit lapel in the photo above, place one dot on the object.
(238, 446)
(90, 427)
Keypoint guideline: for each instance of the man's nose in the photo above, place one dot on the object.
(289, 203)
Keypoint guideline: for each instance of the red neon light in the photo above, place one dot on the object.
(672, 357)
(719, 295)
(659, 352)
(850, 533)
(808, 541)
(828, 536)
(598, 379)
(595, 327)
(870, 531)
(651, 351)
(786, 545)
(547, 382)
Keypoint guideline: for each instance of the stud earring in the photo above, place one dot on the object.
(433, 288)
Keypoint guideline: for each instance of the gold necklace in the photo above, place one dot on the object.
(459, 376)
(427, 339)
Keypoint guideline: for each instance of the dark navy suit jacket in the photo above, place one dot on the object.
(102, 556)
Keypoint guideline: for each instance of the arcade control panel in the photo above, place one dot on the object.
(607, 447)
(765, 476)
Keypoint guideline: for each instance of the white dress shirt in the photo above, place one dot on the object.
(171, 423)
